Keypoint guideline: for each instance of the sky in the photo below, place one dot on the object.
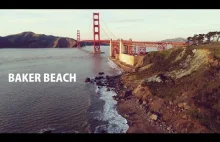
(139, 25)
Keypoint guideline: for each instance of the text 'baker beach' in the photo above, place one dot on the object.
(46, 77)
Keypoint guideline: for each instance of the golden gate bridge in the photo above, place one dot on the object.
(130, 47)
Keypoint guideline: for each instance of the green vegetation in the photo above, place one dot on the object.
(198, 39)
(188, 74)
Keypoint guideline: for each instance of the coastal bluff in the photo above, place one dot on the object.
(33, 40)
(174, 90)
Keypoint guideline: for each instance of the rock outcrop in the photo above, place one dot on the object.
(178, 87)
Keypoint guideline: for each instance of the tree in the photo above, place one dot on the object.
(200, 38)
(195, 39)
(189, 39)
(208, 36)
(214, 35)
(218, 34)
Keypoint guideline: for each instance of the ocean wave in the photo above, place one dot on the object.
(47, 130)
(116, 123)
(114, 66)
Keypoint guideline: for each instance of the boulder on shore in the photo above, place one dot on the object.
(87, 80)
(99, 83)
(101, 73)
(108, 89)
(107, 77)
(153, 117)
(128, 93)
(99, 77)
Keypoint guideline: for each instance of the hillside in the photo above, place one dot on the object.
(4, 42)
(178, 87)
(179, 39)
(33, 40)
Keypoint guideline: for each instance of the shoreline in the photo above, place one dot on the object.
(135, 112)
(140, 118)
(155, 99)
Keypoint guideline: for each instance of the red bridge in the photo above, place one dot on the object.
(122, 46)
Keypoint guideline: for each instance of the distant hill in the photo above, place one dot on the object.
(4, 42)
(179, 39)
(33, 40)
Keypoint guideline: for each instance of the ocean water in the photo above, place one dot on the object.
(67, 107)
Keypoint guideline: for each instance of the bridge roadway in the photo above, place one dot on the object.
(138, 43)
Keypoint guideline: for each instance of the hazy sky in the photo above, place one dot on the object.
(147, 25)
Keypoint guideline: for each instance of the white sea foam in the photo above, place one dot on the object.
(46, 130)
(113, 65)
(116, 123)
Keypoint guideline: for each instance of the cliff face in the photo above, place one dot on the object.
(180, 87)
(32, 40)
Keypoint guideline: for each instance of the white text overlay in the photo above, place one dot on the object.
(46, 77)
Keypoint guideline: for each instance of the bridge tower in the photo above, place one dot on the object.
(78, 38)
(96, 32)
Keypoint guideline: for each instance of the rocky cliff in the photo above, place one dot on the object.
(33, 40)
(177, 89)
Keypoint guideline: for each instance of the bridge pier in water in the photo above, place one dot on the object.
(96, 33)
(110, 48)
(78, 38)
(119, 47)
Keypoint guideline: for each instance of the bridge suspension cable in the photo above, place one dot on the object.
(88, 31)
(105, 32)
(90, 26)
(109, 29)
